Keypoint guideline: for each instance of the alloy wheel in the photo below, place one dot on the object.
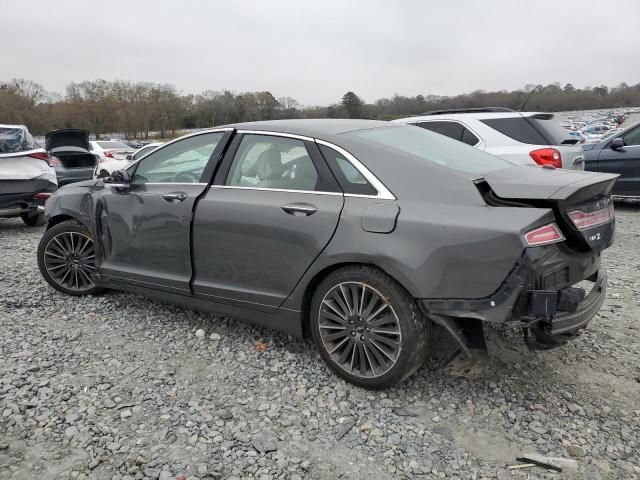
(359, 329)
(69, 259)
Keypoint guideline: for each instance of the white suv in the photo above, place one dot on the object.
(522, 137)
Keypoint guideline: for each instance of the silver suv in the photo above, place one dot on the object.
(523, 137)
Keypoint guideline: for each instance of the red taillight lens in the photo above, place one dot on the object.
(547, 156)
(544, 235)
(52, 161)
(584, 220)
(42, 195)
(108, 154)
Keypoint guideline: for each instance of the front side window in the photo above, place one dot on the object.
(265, 161)
(143, 151)
(181, 162)
(632, 138)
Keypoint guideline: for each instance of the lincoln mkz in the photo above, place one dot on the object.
(359, 234)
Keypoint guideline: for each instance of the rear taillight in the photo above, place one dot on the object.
(52, 161)
(547, 156)
(55, 162)
(42, 196)
(585, 220)
(108, 154)
(544, 235)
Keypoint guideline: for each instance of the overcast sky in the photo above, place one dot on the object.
(315, 51)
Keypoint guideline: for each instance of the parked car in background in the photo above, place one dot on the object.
(575, 134)
(27, 178)
(594, 133)
(110, 150)
(522, 137)
(355, 232)
(106, 168)
(70, 156)
(620, 154)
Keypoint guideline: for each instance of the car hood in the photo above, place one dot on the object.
(67, 137)
(537, 183)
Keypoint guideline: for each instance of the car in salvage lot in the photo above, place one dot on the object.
(69, 154)
(107, 150)
(357, 233)
(27, 177)
(107, 167)
(618, 153)
(522, 137)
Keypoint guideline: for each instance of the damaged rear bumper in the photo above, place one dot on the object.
(532, 297)
(21, 196)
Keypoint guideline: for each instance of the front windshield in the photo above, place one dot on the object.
(434, 148)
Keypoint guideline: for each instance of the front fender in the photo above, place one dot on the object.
(74, 201)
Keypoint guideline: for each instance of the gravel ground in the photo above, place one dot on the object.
(121, 387)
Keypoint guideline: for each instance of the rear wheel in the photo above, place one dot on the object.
(103, 173)
(67, 259)
(32, 219)
(368, 328)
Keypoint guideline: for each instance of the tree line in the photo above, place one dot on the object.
(141, 109)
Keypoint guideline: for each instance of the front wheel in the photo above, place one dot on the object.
(67, 259)
(368, 328)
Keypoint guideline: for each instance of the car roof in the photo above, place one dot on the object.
(476, 115)
(314, 128)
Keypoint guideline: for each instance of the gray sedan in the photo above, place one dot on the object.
(356, 233)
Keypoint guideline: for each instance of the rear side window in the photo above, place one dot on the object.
(534, 130)
(348, 176)
(517, 128)
(552, 130)
(105, 145)
(453, 130)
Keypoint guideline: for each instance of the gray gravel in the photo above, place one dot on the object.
(121, 387)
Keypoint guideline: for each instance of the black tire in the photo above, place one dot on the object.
(78, 260)
(103, 173)
(400, 328)
(32, 220)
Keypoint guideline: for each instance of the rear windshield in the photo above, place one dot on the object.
(434, 148)
(531, 130)
(16, 139)
(112, 145)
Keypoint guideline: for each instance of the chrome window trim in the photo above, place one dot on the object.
(265, 189)
(383, 192)
(276, 134)
(170, 183)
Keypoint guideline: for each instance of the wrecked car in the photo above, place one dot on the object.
(70, 155)
(27, 178)
(357, 233)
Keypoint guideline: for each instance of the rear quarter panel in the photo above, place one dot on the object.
(435, 251)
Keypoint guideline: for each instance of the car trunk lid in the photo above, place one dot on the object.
(67, 137)
(581, 201)
(74, 157)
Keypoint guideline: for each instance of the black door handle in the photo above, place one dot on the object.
(299, 209)
(174, 197)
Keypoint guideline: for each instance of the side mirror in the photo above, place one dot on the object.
(119, 178)
(617, 143)
(129, 157)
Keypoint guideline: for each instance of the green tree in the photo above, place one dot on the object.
(352, 103)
